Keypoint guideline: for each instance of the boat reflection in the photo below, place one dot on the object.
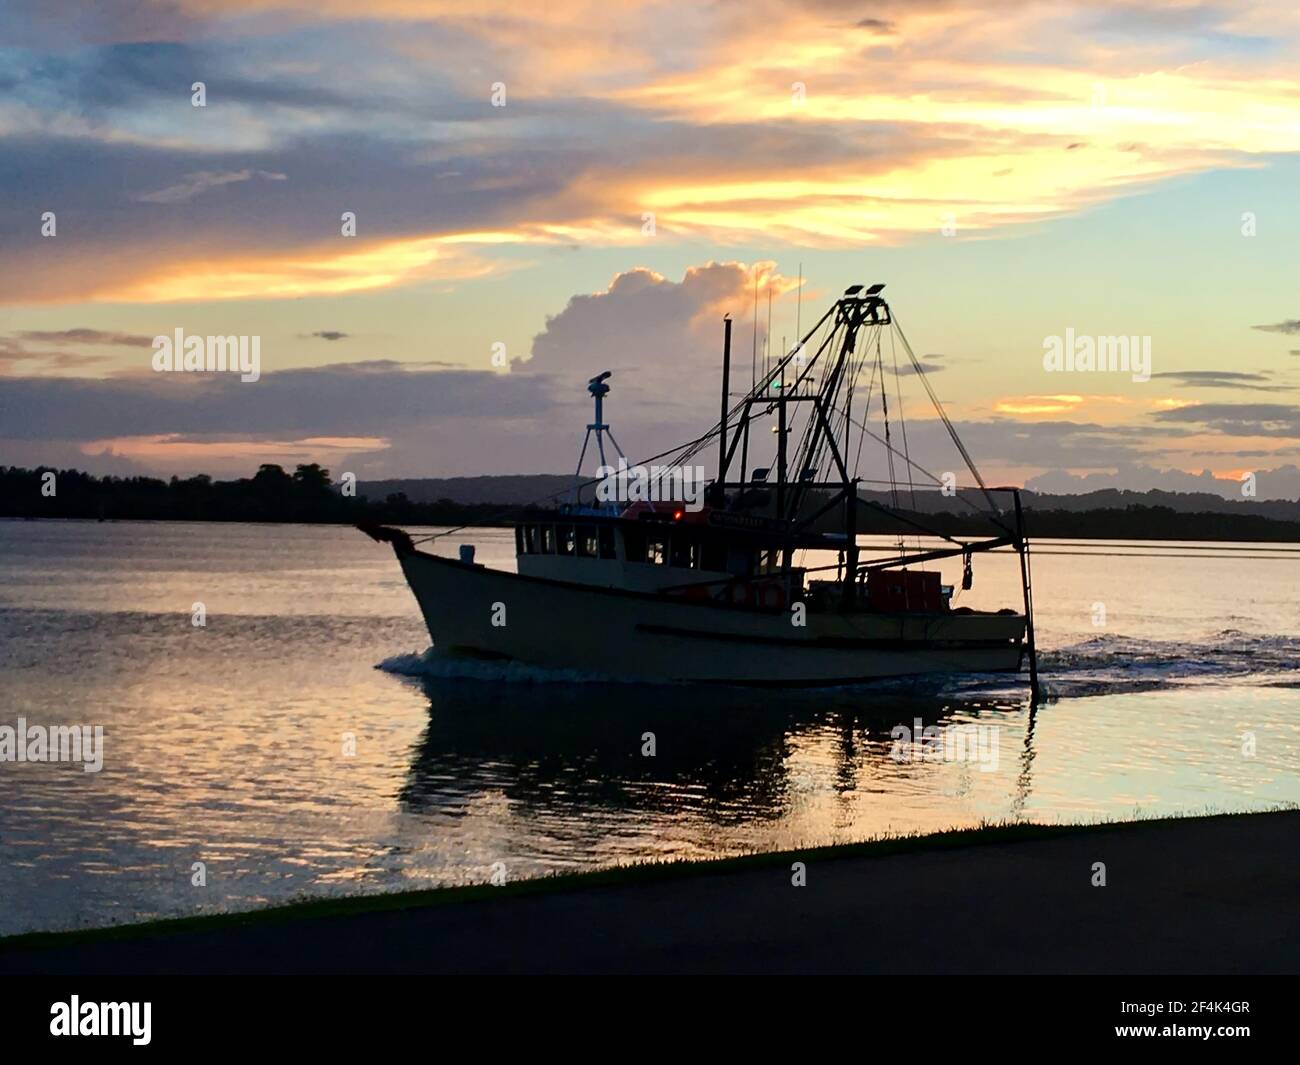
(728, 755)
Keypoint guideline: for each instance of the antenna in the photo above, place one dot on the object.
(599, 390)
(767, 336)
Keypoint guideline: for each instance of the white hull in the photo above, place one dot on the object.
(630, 635)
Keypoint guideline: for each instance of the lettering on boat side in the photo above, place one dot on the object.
(952, 743)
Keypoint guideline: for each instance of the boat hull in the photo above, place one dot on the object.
(472, 610)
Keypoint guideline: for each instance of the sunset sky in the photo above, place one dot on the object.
(1011, 170)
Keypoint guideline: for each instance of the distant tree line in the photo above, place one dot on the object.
(270, 495)
(309, 495)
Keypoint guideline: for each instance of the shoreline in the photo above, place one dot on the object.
(1213, 893)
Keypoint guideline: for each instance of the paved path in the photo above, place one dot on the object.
(1198, 896)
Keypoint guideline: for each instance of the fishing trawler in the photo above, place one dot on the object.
(717, 587)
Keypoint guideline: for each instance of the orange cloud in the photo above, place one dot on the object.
(950, 124)
(165, 449)
(1038, 405)
(338, 269)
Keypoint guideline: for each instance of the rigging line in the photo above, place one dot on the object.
(884, 407)
(843, 417)
(1226, 545)
(1167, 548)
(862, 436)
(507, 509)
(957, 493)
(1152, 554)
(1010, 550)
(807, 454)
(938, 406)
(809, 363)
(902, 419)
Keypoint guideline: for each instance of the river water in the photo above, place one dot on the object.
(300, 742)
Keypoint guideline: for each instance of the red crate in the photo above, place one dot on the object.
(898, 591)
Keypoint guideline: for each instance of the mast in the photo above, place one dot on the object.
(726, 387)
(782, 431)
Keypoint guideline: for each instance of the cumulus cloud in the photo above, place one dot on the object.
(662, 338)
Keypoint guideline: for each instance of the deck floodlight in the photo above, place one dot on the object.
(853, 290)
(875, 290)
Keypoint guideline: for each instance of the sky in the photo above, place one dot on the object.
(441, 219)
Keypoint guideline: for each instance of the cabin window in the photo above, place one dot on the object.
(606, 541)
(519, 539)
(566, 539)
(532, 540)
(656, 550)
(587, 541)
(684, 553)
(548, 539)
(648, 547)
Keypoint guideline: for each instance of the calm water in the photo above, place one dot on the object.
(225, 744)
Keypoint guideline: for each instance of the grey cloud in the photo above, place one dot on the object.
(1260, 382)
(1291, 327)
(85, 336)
(12, 353)
(41, 24)
(340, 400)
(1239, 419)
